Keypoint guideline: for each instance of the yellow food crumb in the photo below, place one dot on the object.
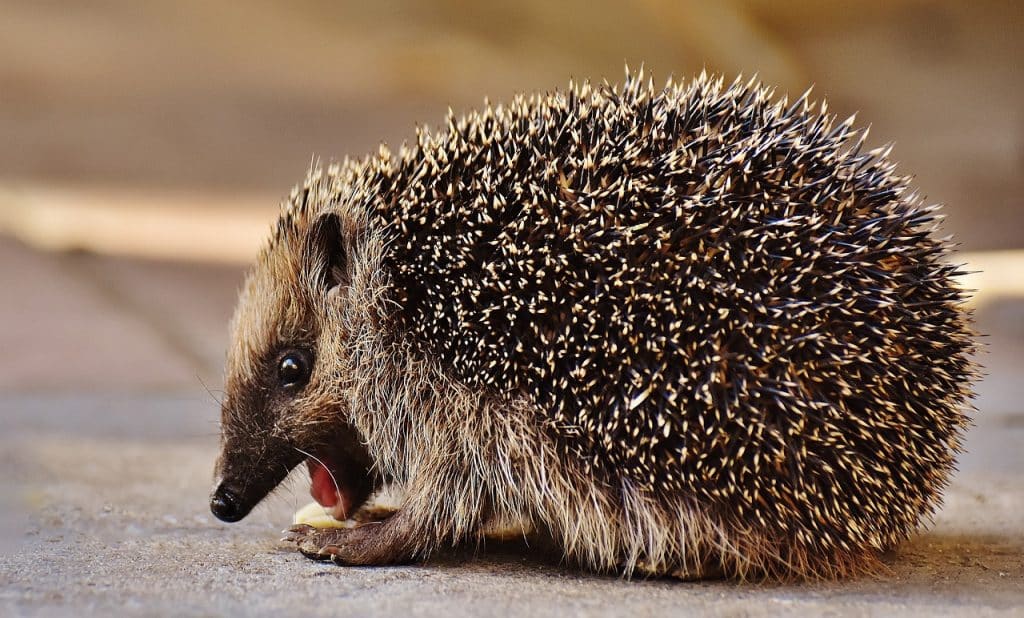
(317, 516)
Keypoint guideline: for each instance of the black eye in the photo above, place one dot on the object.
(294, 369)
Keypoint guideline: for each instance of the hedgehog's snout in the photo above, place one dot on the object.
(225, 504)
(247, 470)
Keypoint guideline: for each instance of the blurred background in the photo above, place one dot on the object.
(144, 147)
(201, 104)
(167, 132)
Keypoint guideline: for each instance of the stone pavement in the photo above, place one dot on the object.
(108, 435)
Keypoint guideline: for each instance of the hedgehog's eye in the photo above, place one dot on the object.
(293, 370)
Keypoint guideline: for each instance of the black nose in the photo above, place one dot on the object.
(225, 505)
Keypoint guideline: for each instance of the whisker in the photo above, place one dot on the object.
(337, 488)
(220, 402)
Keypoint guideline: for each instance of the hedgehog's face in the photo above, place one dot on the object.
(285, 395)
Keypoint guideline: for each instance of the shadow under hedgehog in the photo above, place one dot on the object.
(683, 331)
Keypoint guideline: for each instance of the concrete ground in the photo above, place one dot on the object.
(107, 441)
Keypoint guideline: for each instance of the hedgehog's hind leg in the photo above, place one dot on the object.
(710, 568)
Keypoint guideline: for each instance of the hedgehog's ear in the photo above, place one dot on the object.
(328, 254)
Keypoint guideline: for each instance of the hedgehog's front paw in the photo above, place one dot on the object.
(368, 544)
(310, 541)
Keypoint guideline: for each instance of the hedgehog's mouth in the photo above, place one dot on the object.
(338, 483)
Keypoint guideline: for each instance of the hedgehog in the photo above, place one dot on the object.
(692, 331)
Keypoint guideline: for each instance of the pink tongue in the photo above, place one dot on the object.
(322, 488)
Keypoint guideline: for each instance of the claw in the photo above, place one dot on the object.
(293, 537)
(336, 559)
